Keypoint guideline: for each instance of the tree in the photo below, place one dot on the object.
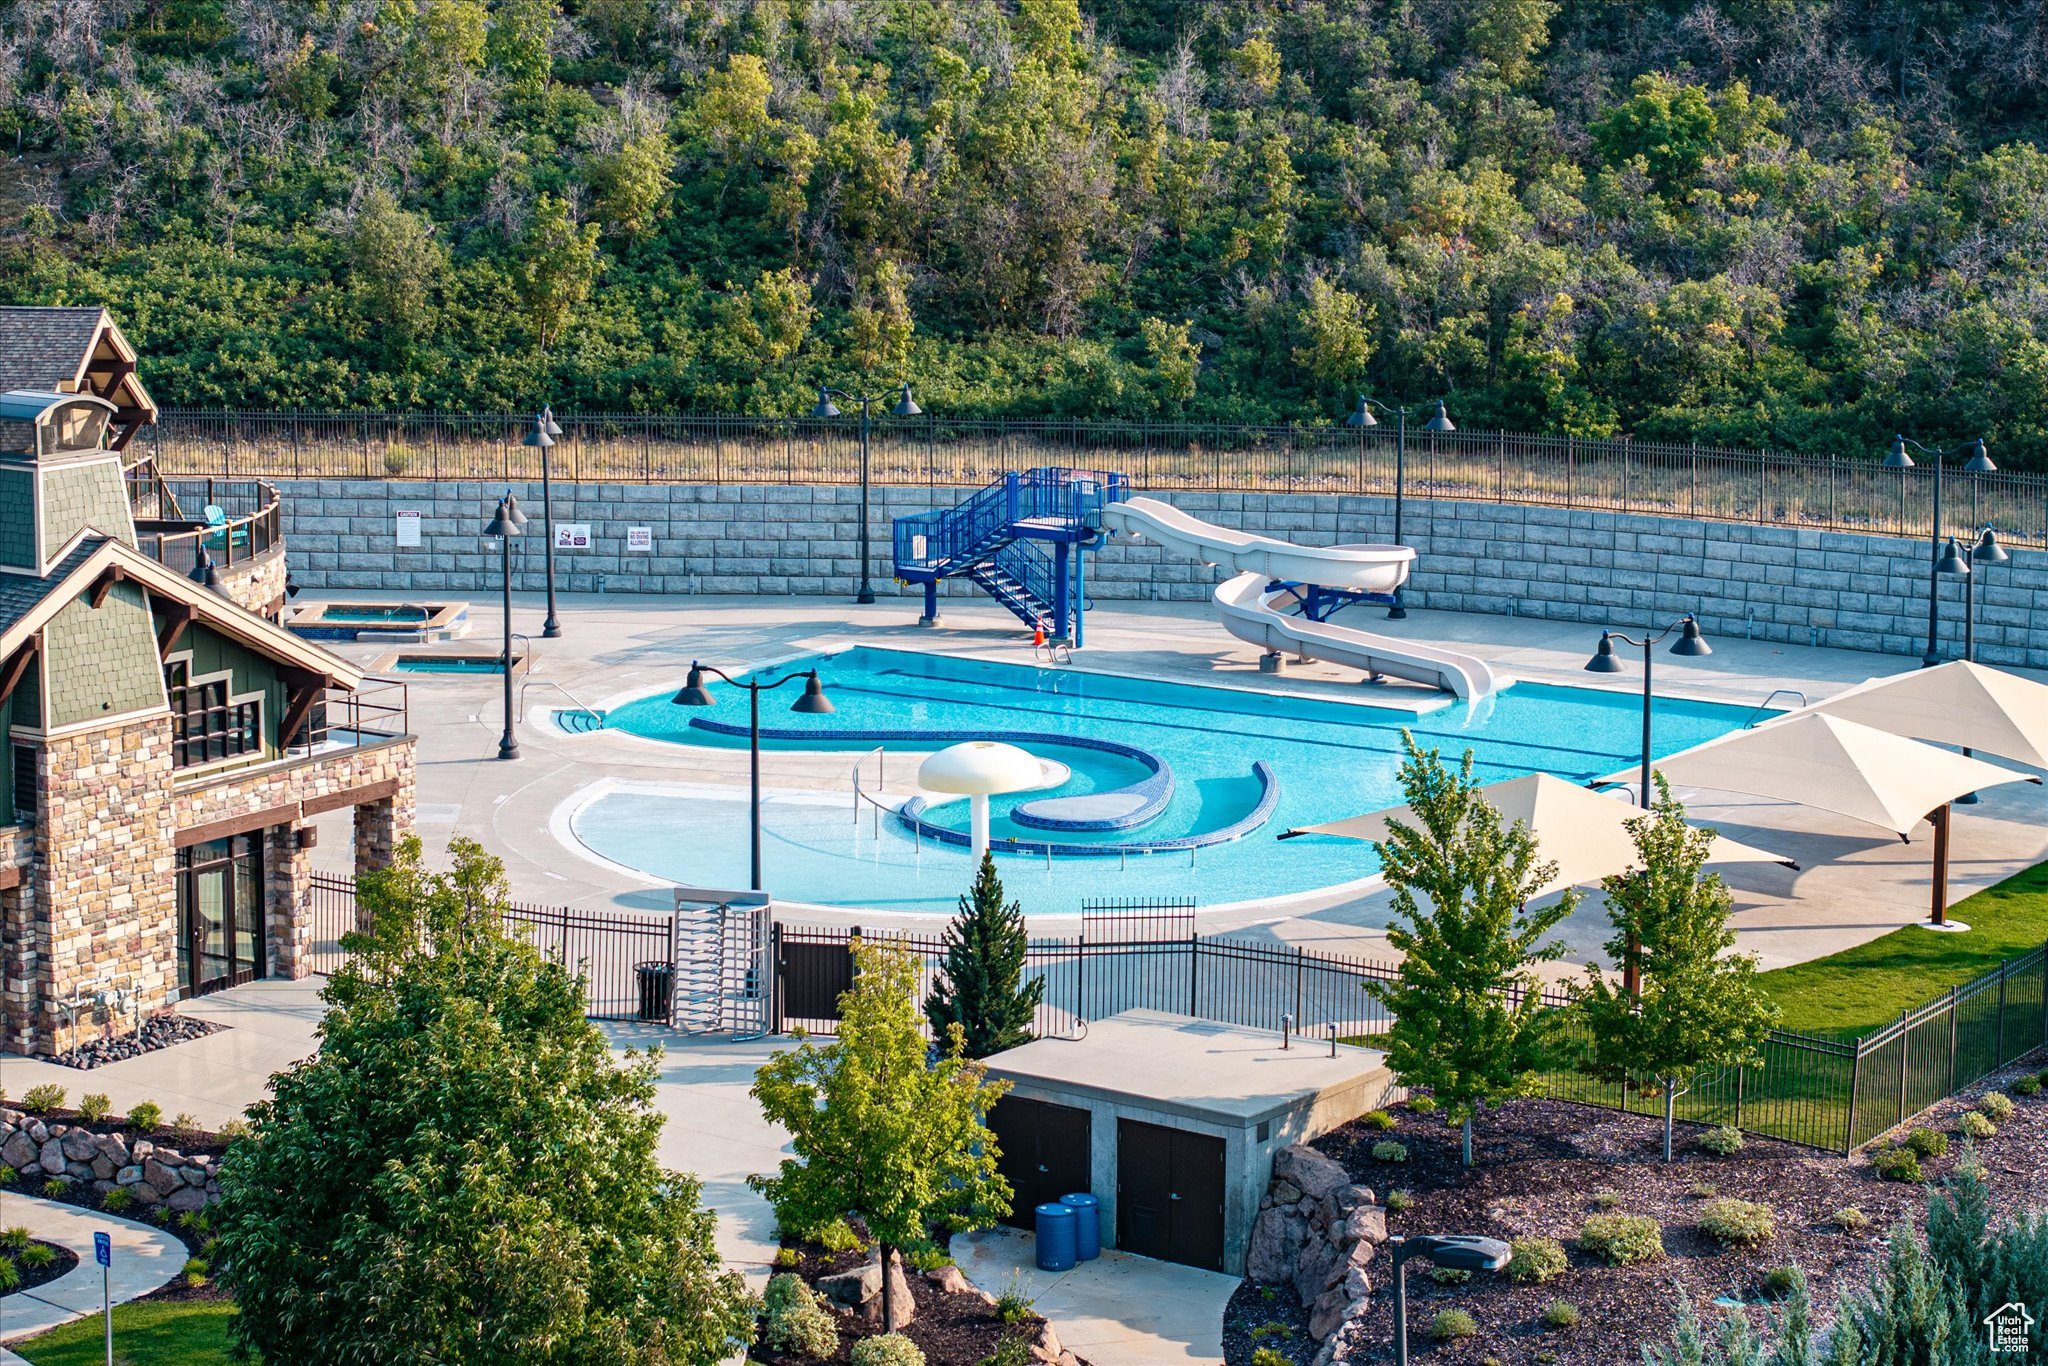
(395, 265)
(463, 1172)
(881, 1131)
(558, 265)
(983, 992)
(1336, 343)
(1697, 1005)
(1469, 1021)
(879, 325)
(631, 183)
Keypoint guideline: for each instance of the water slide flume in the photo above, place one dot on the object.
(1256, 605)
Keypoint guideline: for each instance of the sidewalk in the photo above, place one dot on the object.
(144, 1259)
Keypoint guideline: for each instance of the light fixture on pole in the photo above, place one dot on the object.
(1439, 421)
(1985, 553)
(812, 702)
(1943, 560)
(505, 524)
(206, 573)
(825, 408)
(542, 437)
(1453, 1251)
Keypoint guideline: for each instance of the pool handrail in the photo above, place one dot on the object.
(593, 712)
(1765, 705)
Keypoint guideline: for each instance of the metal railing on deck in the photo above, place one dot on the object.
(171, 525)
(378, 711)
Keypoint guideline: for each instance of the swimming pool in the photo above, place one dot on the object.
(1325, 759)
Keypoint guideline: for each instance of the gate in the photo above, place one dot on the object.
(720, 956)
(813, 969)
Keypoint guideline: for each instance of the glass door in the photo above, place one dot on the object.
(212, 968)
(220, 904)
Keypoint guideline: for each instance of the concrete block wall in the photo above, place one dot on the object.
(1603, 568)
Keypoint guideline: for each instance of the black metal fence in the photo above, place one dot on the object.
(1851, 492)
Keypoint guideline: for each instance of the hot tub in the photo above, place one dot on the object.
(399, 623)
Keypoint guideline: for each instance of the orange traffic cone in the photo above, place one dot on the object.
(1038, 632)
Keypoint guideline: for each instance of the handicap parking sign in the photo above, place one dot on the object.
(103, 1249)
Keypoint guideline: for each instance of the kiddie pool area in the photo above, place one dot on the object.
(1171, 789)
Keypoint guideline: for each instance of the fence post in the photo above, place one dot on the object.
(1194, 973)
(1300, 971)
(1952, 1025)
(774, 985)
(1905, 1055)
(1998, 1054)
(1855, 1079)
(1740, 1073)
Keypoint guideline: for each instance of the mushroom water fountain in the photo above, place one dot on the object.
(978, 770)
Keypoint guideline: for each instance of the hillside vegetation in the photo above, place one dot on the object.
(1795, 223)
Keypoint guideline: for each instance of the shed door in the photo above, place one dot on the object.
(1169, 1194)
(1042, 1151)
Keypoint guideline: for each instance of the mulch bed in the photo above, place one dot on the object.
(951, 1330)
(33, 1276)
(1540, 1165)
(195, 1144)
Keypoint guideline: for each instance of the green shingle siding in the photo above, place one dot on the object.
(84, 495)
(18, 519)
(103, 663)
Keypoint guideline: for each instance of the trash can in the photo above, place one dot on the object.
(1055, 1237)
(657, 986)
(1087, 1225)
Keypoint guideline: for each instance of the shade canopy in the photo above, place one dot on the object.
(1836, 765)
(1958, 703)
(1584, 833)
(980, 768)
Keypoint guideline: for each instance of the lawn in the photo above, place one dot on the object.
(146, 1333)
(1857, 990)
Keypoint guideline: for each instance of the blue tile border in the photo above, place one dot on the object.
(1269, 797)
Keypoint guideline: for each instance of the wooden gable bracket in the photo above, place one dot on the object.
(110, 367)
(104, 584)
(17, 668)
(176, 619)
(306, 689)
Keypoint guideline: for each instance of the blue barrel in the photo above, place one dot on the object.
(1055, 1238)
(1087, 1225)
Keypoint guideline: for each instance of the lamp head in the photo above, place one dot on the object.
(538, 434)
(1603, 660)
(1988, 550)
(1896, 458)
(1441, 422)
(1361, 416)
(547, 419)
(205, 573)
(1690, 643)
(512, 510)
(1460, 1251)
(505, 522)
(1953, 560)
(825, 406)
(1979, 462)
(813, 702)
(906, 406)
(693, 692)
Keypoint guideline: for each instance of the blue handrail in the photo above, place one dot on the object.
(958, 538)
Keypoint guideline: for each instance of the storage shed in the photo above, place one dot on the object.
(1172, 1124)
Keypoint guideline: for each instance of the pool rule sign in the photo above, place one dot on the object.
(103, 1253)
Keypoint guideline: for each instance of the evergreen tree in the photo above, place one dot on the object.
(982, 989)
(1469, 1021)
(1697, 1006)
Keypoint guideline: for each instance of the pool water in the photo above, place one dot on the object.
(1330, 759)
(379, 616)
(447, 664)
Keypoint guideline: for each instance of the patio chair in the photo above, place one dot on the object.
(217, 518)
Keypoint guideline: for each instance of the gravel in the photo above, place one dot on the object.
(159, 1031)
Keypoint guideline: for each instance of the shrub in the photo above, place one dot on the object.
(2026, 1086)
(786, 1257)
(8, 1176)
(1536, 1260)
(10, 1277)
(40, 1100)
(194, 1272)
(796, 1324)
(836, 1237)
(1995, 1105)
(928, 1258)
(1013, 1305)
(397, 460)
(94, 1108)
(1560, 1314)
(1268, 1356)
(1974, 1124)
(1010, 1351)
(55, 1187)
(185, 1128)
(886, 1349)
(1725, 1141)
(145, 1116)
(1389, 1151)
(15, 1239)
(1272, 1329)
(1927, 1142)
(1382, 1121)
(1399, 1202)
(786, 1292)
(1896, 1164)
(117, 1200)
(1849, 1219)
(1605, 1199)
(1737, 1223)
(1781, 1281)
(1622, 1239)
(1422, 1105)
(1452, 1324)
(1703, 1190)
(234, 1129)
(37, 1255)
(1449, 1275)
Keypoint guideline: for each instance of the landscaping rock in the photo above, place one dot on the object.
(114, 1148)
(858, 1291)
(140, 1149)
(128, 1175)
(162, 1176)
(18, 1151)
(81, 1146)
(160, 1031)
(194, 1176)
(1275, 1251)
(187, 1198)
(1047, 1346)
(52, 1158)
(1309, 1171)
(1367, 1225)
(1284, 1192)
(145, 1194)
(949, 1280)
(103, 1168)
(39, 1131)
(1316, 1260)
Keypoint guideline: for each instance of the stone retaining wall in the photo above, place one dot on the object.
(151, 1173)
(1603, 568)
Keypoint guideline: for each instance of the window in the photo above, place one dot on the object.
(205, 725)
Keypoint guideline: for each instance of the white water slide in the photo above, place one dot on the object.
(1253, 613)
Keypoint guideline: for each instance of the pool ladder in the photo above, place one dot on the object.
(1765, 705)
(593, 713)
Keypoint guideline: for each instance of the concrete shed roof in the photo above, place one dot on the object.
(1218, 1073)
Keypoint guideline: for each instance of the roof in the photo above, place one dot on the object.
(46, 347)
(1958, 703)
(1584, 833)
(21, 594)
(26, 405)
(1215, 1072)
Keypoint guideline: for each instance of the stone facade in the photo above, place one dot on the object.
(257, 584)
(1767, 582)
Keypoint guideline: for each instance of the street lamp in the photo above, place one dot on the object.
(1944, 561)
(505, 524)
(1361, 417)
(813, 702)
(904, 406)
(206, 573)
(1457, 1251)
(542, 436)
(1987, 551)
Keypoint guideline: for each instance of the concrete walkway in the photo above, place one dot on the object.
(144, 1259)
(1117, 1310)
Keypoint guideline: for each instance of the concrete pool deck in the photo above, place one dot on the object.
(1856, 883)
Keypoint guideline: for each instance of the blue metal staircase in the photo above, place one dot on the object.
(1020, 540)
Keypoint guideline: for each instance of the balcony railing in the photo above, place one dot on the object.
(172, 524)
(377, 712)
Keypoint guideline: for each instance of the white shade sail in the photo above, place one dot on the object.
(1583, 832)
(1823, 761)
(1958, 703)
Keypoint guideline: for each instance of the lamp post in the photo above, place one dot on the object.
(1945, 560)
(1361, 417)
(1458, 1251)
(542, 436)
(505, 524)
(904, 406)
(206, 573)
(1987, 551)
(813, 702)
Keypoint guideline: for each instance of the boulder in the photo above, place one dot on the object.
(1284, 1192)
(1047, 1347)
(948, 1280)
(1069, 1359)
(1367, 1224)
(144, 1194)
(1309, 1171)
(187, 1197)
(1332, 1312)
(103, 1168)
(1359, 1254)
(52, 1158)
(140, 1149)
(164, 1178)
(1338, 1204)
(39, 1131)
(194, 1176)
(170, 1157)
(114, 1148)
(1350, 1279)
(81, 1146)
(1275, 1251)
(860, 1291)
(128, 1175)
(103, 1188)
(19, 1150)
(1316, 1260)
